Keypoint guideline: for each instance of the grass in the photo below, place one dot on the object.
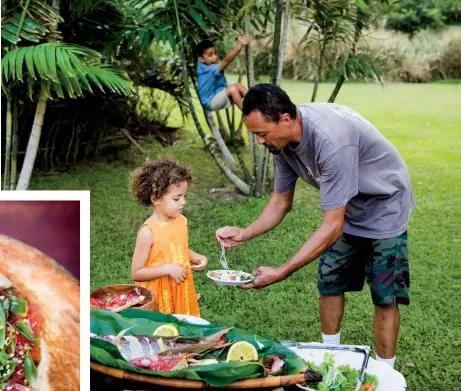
(423, 122)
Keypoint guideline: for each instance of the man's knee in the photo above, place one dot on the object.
(384, 312)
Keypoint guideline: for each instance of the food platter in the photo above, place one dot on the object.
(100, 297)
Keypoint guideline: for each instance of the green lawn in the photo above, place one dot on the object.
(423, 121)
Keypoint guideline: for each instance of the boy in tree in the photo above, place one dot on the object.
(213, 90)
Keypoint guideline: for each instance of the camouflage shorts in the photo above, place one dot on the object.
(384, 263)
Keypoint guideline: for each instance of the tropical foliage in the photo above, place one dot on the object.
(33, 53)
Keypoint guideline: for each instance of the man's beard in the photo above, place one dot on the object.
(274, 150)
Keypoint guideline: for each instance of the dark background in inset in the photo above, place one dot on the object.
(52, 227)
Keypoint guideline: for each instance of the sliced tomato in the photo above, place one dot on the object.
(33, 316)
(18, 375)
(96, 302)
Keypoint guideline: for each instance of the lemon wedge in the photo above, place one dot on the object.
(242, 351)
(166, 330)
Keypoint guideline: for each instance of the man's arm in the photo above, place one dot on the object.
(330, 230)
(228, 59)
(327, 234)
(275, 211)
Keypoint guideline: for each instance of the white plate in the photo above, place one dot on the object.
(248, 277)
(191, 319)
(389, 379)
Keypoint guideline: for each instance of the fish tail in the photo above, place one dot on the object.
(120, 335)
(216, 337)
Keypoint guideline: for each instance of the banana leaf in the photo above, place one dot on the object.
(222, 374)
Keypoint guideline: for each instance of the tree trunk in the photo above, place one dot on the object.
(338, 86)
(286, 23)
(222, 127)
(34, 139)
(14, 152)
(9, 131)
(361, 14)
(238, 133)
(220, 141)
(305, 36)
(251, 82)
(276, 42)
(319, 71)
(262, 171)
(249, 54)
(266, 161)
(229, 123)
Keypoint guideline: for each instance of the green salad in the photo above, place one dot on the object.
(340, 378)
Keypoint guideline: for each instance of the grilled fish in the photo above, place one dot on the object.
(132, 347)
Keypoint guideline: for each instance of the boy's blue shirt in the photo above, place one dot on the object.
(210, 82)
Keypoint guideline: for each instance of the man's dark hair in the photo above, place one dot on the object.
(202, 46)
(271, 101)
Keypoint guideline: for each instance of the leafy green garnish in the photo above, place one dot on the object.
(3, 357)
(25, 330)
(2, 328)
(8, 371)
(30, 370)
(18, 306)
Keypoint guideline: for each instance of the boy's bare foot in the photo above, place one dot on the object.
(198, 296)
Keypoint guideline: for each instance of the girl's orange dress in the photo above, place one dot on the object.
(171, 245)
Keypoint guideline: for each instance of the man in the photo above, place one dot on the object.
(365, 197)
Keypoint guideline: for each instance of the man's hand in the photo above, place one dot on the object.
(200, 262)
(244, 40)
(265, 276)
(231, 237)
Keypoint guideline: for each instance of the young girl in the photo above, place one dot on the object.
(162, 260)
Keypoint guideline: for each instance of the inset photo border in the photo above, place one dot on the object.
(39, 230)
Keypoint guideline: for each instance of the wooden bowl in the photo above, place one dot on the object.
(153, 382)
(103, 292)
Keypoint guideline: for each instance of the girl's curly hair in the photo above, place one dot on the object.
(151, 181)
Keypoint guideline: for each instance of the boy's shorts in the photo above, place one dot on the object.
(220, 101)
(384, 262)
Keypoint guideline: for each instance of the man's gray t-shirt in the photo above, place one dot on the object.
(352, 164)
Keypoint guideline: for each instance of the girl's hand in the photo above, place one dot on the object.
(177, 272)
(200, 263)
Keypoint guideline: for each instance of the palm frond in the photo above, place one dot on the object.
(156, 21)
(31, 31)
(366, 65)
(132, 36)
(58, 66)
(39, 10)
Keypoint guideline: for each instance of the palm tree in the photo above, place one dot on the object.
(332, 21)
(34, 55)
(356, 63)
